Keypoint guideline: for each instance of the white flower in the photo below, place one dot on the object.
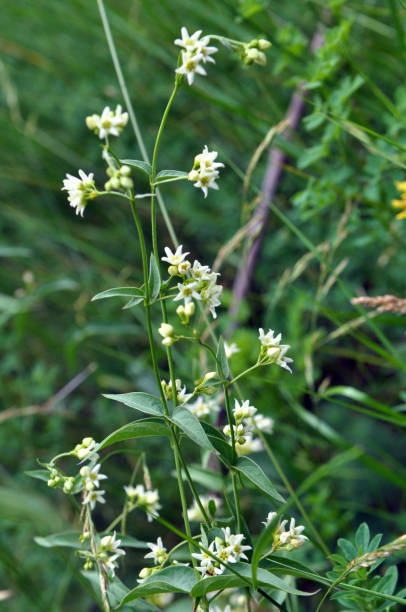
(210, 296)
(79, 190)
(286, 540)
(109, 543)
(208, 565)
(111, 564)
(194, 44)
(174, 259)
(109, 123)
(188, 291)
(148, 500)
(272, 351)
(204, 172)
(251, 445)
(199, 272)
(243, 411)
(195, 514)
(204, 406)
(91, 477)
(93, 497)
(231, 349)
(158, 552)
(225, 552)
(194, 51)
(166, 330)
(234, 542)
(263, 423)
(191, 66)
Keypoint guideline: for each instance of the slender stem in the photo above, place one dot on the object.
(254, 367)
(170, 180)
(153, 171)
(236, 500)
(147, 304)
(130, 108)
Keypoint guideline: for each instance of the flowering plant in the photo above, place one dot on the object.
(221, 551)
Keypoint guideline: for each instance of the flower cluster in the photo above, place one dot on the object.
(109, 551)
(80, 190)
(288, 539)
(253, 52)
(199, 282)
(247, 420)
(400, 186)
(204, 406)
(181, 395)
(194, 513)
(195, 51)
(204, 172)
(109, 123)
(119, 178)
(91, 479)
(147, 499)
(82, 450)
(227, 550)
(272, 351)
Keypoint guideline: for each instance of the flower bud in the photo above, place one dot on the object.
(91, 122)
(168, 341)
(173, 270)
(209, 376)
(190, 309)
(263, 44)
(125, 170)
(166, 330)
(126, 182)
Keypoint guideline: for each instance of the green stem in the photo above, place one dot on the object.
(147, 304)
(254, 367)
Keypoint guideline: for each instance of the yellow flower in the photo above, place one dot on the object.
(400, 186)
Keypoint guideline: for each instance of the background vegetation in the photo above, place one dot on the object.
(339, 423)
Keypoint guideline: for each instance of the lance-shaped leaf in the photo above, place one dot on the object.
(150, 404)
(257, 477)
(230, 580)
(223, 448)
(154, 281)
(222, 361)
(166, 174)
(191, 426)
(174, 579)
(66, 539)
(132, 292)
(138, 163)
(137, 429)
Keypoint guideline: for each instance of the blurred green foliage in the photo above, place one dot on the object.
(336, 189)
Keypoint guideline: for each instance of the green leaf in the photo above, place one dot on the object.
(133, 302)
(150, 404)
(174, 579)
(164, 174)
(136, 429)
(116, 591)
(137, 163)
(132, 292)
(191, 426)
(256, 476)
(229, 580)
(40, 474)
(66, 539)
(264, 540)
(220, 443)
(362, 539)
(154, 281)
(222, 361)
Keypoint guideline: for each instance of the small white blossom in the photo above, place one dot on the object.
(188, 291)
(191, 66)
(263, 423)
(176, 258)
(243, 411)
(235, 542)
(158, 552)
(231, 349)
(272, 351)
(286, 539)
(204, 406)
(109, 123)
(148, 499)
(91, 477)
(204, 172)
(79, 190)
(109, 543)
(251, 445)
(111, 564)
(92, 497)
